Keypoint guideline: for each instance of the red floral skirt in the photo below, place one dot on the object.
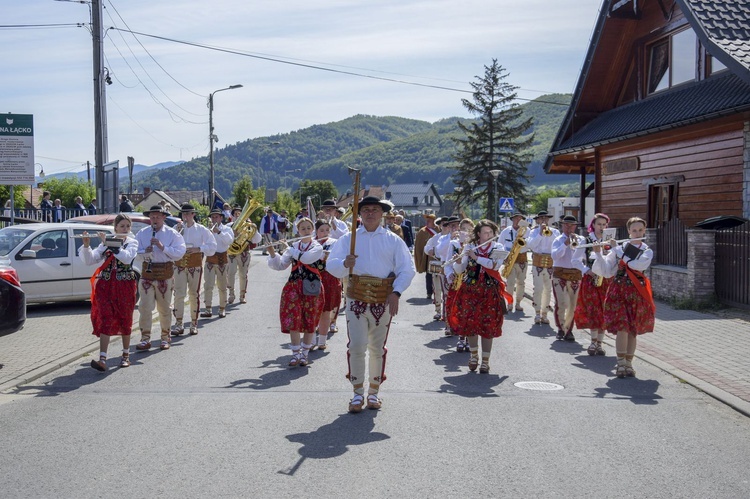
(299, 312)
(626, 310)
(113, 306)
(589, 312)
(449, 299)
(332, 289)
(477, 310)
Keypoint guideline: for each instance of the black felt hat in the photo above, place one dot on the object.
(569, 219)
(157, 209)
(370, 200)
(216, 211)
(542, 214)
(187, 208)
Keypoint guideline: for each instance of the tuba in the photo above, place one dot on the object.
(519, 243)
(244, 229)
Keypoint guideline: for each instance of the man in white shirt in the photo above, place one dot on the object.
(435, 268)
(443, 253)
(381, 269)
(240, 262)
(540, 244)
(567, 273)
(217, 265)
(189, 269)
(338, 227)
(160, 245)
(516, 282)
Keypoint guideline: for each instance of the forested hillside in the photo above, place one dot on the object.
(388, 149)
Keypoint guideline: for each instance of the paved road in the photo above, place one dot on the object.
(220, 414)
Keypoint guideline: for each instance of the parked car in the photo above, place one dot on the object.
(139, 220)
(12, 299)
(45, 256)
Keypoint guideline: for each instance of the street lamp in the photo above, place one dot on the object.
(212, 138)
(290, 171)
(495, 174)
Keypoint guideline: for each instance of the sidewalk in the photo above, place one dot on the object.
(707, 351)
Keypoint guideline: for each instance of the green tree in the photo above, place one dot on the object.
(243, 190)
(19, 202)
(285, 201)
(66, 189)
(318, 190)
(493, 143)
(539, 200)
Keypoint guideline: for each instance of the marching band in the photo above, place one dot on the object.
(475, 277)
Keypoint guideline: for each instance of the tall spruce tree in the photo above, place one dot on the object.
(493, 142)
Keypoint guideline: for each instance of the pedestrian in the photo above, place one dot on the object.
(161, 245)
(269, 229)
(380, 269)
(331, 284)
(79, 208)
(540, 242)
(421, 260)
(302, 298)
(113, 289)
(629, 308)
(408, 231)
(217, 265)
(589, 312)
(58, 212)
(458, 241)
(568, 269)
(189, 269)
(435, 267)
(390, 223)
(405, 231)
(481, 301)
(126, 206)
(226, 211)
(516, 281)
(443, 254)
(92, 208)
(240, 263)
(282, 224)
(46, 206)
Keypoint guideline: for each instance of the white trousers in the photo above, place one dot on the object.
(155, 294)
(516, 283)
(438, 288)
(187, 282)
(542, 288)
(566, 295)
(367, 329)
(216, 276)
(238, 264)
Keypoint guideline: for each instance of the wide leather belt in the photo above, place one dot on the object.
(218, 258)
(157, 271)
(567, 274)
(190, 260)
(542, 260)
(369, 289)
(435, 267)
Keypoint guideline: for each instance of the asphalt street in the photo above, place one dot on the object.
(220, 414)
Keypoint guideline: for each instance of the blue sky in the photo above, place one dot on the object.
(157, 105)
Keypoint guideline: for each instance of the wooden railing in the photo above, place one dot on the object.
(672, 244)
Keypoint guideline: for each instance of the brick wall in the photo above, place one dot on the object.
(695, 281)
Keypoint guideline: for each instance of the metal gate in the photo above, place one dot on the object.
(733, 265)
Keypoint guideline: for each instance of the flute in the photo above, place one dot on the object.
(461, 255)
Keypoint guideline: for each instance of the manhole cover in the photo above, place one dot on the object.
(537, 385)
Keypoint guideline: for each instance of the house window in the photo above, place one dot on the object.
(415, 201)
(714, 65)
(663, 204)
(672, 61)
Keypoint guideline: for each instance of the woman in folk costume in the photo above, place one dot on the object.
(478, 307)
(458, 240)
(331, 284)
(629, 307)
(589, 312)
(113, 289)
(302, 297)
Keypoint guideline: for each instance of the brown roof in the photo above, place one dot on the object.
(372, 191)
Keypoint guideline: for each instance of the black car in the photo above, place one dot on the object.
(12, 299)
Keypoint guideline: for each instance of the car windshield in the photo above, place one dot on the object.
(10, 237)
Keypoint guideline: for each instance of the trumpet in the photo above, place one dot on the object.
(546, 231)
(575, 241)
(605, 244)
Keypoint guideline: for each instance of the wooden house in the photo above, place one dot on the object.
(660, 117)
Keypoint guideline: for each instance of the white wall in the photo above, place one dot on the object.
(556, 207)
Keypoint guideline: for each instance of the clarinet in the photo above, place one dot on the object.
(148, 262)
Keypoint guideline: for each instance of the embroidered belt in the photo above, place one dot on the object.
(218, 258)
(158, 271)
(190, 260)
(542, 260)
(435, 267)
(567, 274)
(369, 289)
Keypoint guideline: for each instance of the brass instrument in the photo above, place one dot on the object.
(281, 241)
(546, 231)
(575, 241)
(519, 243)
(605, 244)
(243, 228)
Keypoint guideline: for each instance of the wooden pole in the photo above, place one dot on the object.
(355, 213)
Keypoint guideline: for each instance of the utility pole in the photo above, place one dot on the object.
(100, 108)
(131, 162)
(88, 171)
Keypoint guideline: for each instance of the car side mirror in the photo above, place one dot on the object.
(28, 254)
